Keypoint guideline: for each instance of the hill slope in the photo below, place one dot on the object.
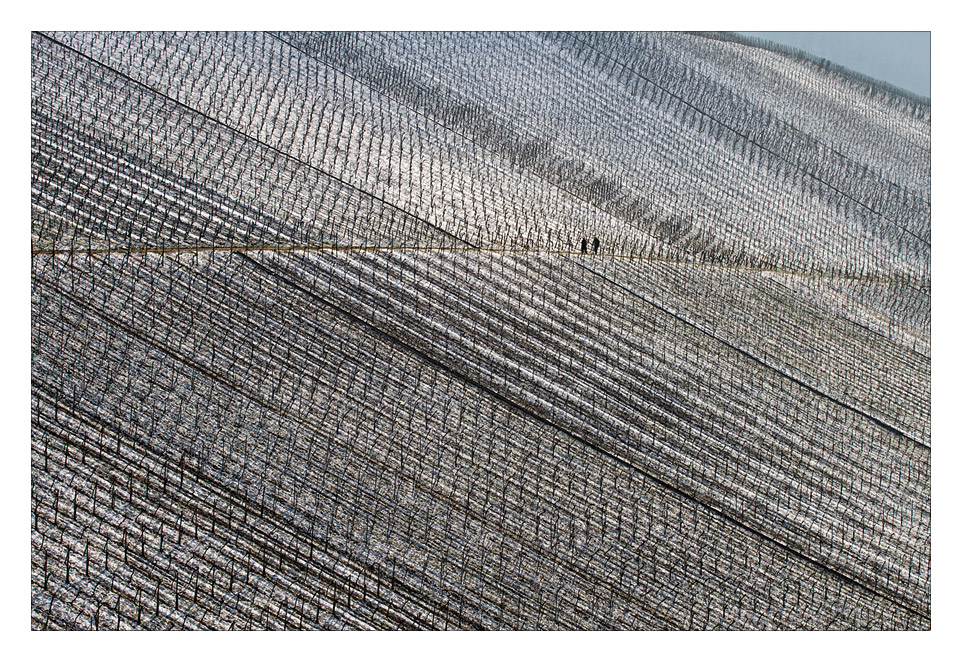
(315, 344)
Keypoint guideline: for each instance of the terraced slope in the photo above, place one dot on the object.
(315, 345)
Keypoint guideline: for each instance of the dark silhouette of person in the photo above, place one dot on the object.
(584, 245)
(595, 245)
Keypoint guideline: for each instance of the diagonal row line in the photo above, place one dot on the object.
(552, 424)
(245, 136)
(747, 138)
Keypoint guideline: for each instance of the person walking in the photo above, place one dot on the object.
(584, 245)
(595, 245)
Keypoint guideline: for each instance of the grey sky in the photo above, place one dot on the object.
(899, 58)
